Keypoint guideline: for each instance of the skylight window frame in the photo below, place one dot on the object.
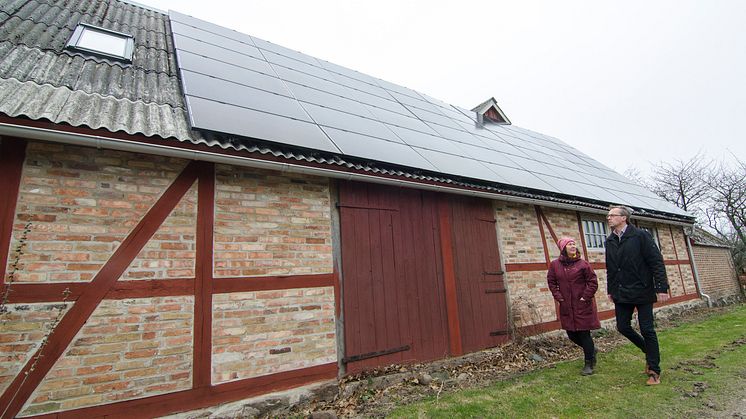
(77, 36)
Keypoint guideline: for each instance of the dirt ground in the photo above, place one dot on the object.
(375, 393)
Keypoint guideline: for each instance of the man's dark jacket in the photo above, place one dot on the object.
(635, 272)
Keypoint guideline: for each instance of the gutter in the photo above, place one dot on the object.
(694, 266)
(101, 142)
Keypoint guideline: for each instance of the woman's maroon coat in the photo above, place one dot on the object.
(569, 280)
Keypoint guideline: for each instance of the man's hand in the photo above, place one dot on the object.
(610, 297)
(663, 297)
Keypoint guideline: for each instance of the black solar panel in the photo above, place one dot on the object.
(241, 85)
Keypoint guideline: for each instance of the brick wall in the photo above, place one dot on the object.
(82, 202)
(520, 243)
(520, 240)
(22, 329)
(127, 349)
(260, 333)
(717, 275)
(271, 224)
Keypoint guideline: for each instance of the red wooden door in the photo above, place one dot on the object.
(392, 298)
(479, 280)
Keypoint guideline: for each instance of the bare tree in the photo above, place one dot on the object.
(727, 212)
(683, 182)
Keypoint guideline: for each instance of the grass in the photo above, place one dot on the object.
(701, 366)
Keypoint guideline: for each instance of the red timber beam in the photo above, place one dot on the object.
(12, 155)
(538, 328)
(449, 277)
(543, 236)
(546, 222)
(540, 217)
(197, 398)
(202, 351)
(676, 253)
(48, 293)
(38, 365)
(582, 235)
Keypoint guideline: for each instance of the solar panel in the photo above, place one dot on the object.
(363, 146)
(221, 117)
(245, 86)
(349, 122)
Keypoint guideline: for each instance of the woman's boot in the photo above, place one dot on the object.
(588, 368)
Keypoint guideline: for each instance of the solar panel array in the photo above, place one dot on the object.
(242, 85)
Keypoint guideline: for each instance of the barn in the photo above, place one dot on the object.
(192, 216)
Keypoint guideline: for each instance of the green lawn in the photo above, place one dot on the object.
(701, 365)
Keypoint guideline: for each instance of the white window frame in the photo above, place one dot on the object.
(75, 42)
(595, 233)
(653, 232)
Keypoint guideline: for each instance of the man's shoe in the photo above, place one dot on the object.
(653, 379)
(587, 368)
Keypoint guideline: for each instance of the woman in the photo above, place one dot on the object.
(573, 284)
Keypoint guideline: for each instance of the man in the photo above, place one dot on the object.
(635, 279)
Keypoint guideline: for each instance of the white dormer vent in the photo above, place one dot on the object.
(489, 113)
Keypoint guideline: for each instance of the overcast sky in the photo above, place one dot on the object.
(630, 83)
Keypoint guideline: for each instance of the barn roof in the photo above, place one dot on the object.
(191, 81)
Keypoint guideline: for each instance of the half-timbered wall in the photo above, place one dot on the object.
(169, 284)
(528, 236)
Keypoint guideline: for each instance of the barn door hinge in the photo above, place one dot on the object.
(498, 273)
(368, 207)
(501, 332)
(496, 291)
(375, 354)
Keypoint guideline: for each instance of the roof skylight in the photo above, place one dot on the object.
(100, 41)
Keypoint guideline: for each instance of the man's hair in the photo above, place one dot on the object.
(625, 211)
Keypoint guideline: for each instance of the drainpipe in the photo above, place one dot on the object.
(694, 267)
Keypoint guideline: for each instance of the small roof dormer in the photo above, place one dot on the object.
(489, 113)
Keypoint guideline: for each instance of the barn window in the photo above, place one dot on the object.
(653, 232)
(595, 234)
(103, 42)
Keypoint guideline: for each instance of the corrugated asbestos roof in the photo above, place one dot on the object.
(41, 80)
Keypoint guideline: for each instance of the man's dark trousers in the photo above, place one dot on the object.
(648, 342)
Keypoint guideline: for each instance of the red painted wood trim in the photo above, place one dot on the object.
(543, 236)
(270, 283)
(202, 350)
(449, 277)
(582, 235)
(691, 265)
(47, 293)
(28, 379)
(27, 293)
(549, 226)
(182, 401)
(602, 315)
(676, 253)
(12, 155)
(598, 265)
(676, 262)
(536, 329)
(525, 267)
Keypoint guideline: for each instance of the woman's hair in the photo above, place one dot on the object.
(564, 253)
